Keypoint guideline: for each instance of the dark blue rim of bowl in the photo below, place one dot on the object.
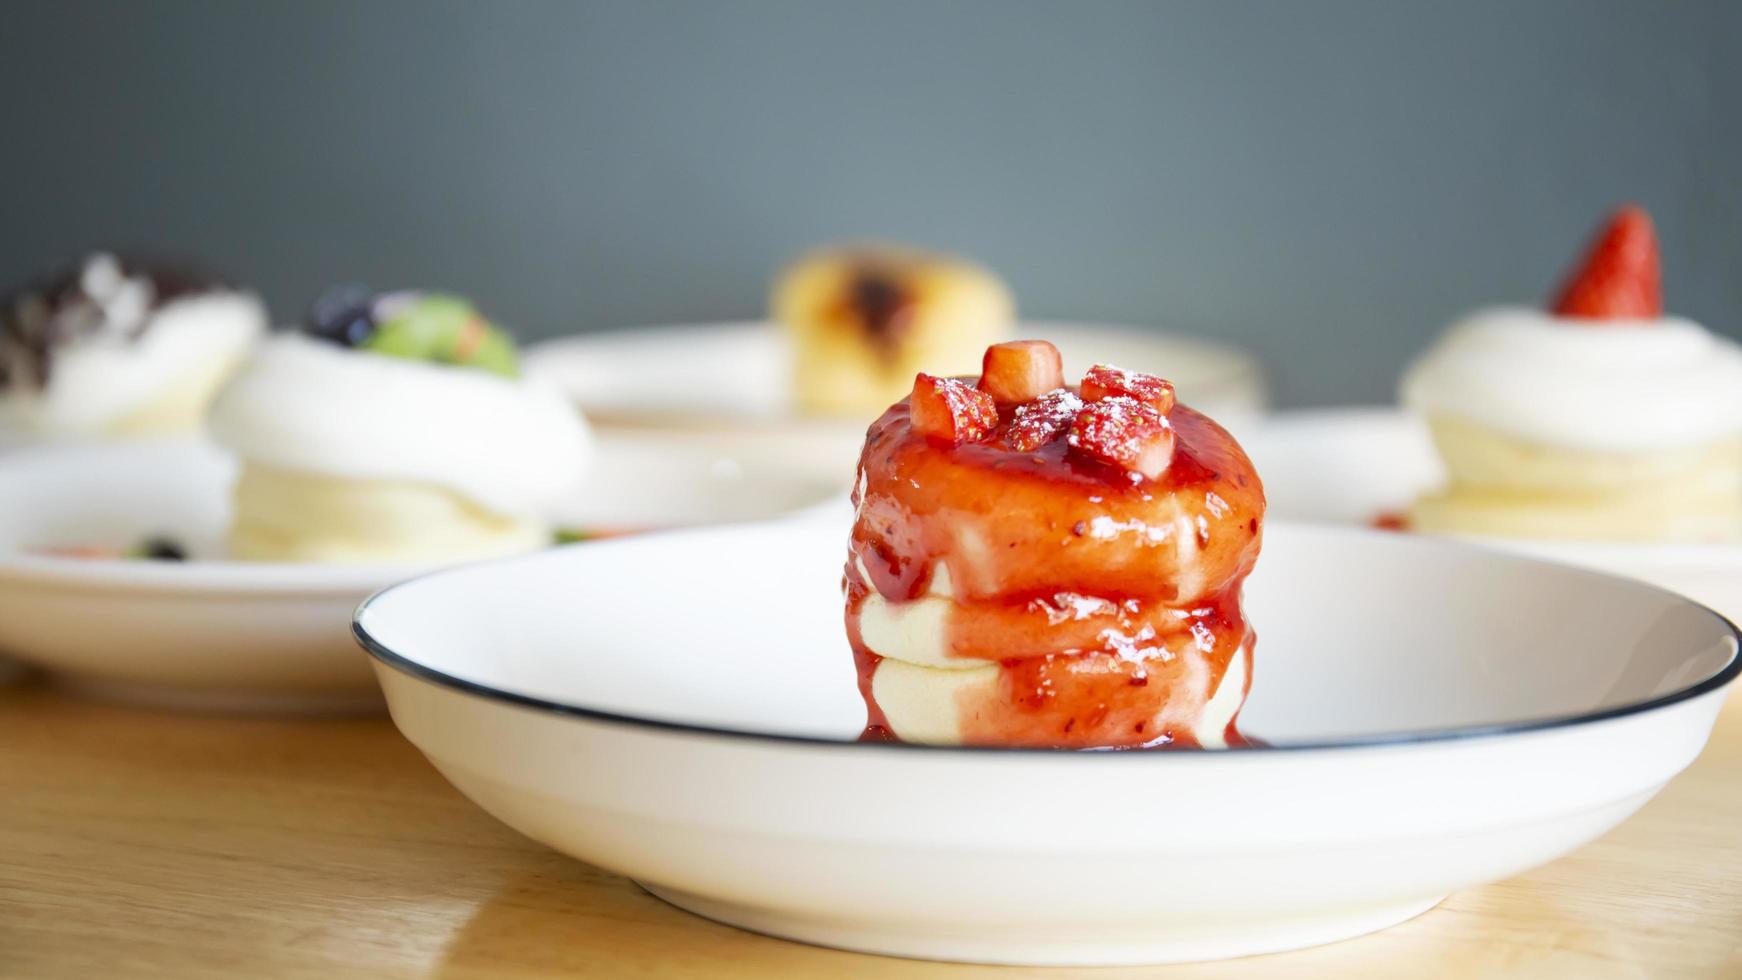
(403, 664)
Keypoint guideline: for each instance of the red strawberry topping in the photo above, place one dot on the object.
(1021, 371)
(951, 410)
(1039, 422)
(1621, 278)
(1107, 381)
(1126, 433)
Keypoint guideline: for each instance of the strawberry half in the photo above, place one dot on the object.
(1107, 381)
(1126, 433)
(951, 410)
(1021, 371)
(1621, 277)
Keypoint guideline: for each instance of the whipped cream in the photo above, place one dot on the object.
(128, 351)
(1615, 386)
(915, 630)
(513, 446)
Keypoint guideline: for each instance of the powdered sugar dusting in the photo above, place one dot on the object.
(1124, 432)
(969, 405)
(1106, 381)
(1036, 423)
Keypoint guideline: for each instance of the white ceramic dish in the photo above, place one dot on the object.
(1351, 465)
(736, 373)
(264, 636)
(733, 378)
(11, 441)
(681, 709)
(10, 670)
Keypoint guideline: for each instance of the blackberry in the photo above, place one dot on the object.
(344, 315)
(161, 549)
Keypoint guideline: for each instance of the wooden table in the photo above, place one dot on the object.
(136, 844)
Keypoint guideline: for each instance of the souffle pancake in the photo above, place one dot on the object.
(396, 427)
(1042, 565)
(1599, 418)
(862, 319)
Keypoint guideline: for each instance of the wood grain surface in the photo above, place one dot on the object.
(139, 844)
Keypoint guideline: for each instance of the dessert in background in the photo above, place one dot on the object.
(1039, 565)
(1601, 418)
(395, 427)
(864, 320)
(120, 348)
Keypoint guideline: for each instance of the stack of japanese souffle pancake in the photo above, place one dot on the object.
(395, 427)
(1600, 418)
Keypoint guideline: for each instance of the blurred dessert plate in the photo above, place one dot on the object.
(680, 709)
(1360, 465)
(12, 441)
(736, 377)
(215, 634)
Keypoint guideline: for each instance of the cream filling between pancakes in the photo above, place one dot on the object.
(925, 704)
(922, 687)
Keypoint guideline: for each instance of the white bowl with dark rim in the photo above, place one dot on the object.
(681, 708)
(223, 635)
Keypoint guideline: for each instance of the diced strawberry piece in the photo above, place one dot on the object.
(952, 410)
(1107, 381)
(1039, 422)
(1021, 371)
(1125, 432)
(1621, 278)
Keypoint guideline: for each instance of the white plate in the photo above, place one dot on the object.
(267, 636)
(12, 442)
(680, 708)
(1350, 465)
(733, 377)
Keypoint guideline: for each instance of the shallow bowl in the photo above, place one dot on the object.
(681, 708)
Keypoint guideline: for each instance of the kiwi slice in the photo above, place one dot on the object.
(445, 330)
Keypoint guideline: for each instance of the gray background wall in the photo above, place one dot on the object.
(1324, 182)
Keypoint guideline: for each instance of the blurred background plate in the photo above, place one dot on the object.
(736, 375)
(218, 635)
(1342, 465)
(11, 441)
(726, 387)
